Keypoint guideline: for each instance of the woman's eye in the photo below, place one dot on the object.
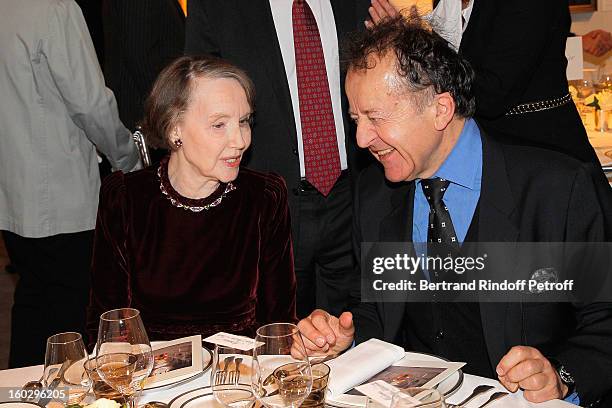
(245, 122)
(219, 125)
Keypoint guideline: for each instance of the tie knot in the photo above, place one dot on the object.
(434, 189)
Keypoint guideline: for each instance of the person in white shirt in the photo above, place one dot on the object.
(56, 111)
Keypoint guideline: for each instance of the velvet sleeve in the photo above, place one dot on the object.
(277, 283)
(110, 274)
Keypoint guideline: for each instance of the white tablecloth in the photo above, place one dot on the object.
(19, 376)
(602, 143)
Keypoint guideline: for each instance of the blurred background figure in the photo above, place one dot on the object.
(141, 37)
(55, 112)
(196, 243)
(597, 42)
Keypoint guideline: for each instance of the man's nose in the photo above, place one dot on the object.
(365, 136)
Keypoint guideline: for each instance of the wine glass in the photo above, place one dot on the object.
(230, 378)
(124, 358)
(64, 361)
(281, 376)
(417, 397)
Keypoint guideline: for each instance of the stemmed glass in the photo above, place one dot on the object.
(64, 361)
(124, 358)
(281, 376)
(230, 380)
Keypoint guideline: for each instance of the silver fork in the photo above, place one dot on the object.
(234, 376)
(477, 391)
(222, 376)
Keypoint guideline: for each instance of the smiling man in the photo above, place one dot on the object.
(441, 178)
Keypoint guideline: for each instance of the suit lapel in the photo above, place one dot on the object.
(396, 227)
(257, 16)
(496, 224)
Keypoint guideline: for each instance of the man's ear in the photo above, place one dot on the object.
(445, 110)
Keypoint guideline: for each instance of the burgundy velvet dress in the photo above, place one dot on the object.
(225, 268)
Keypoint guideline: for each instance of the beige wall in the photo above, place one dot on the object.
(582, 23)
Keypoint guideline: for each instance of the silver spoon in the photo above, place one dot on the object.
(31, 386)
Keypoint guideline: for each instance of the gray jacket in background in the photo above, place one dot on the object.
(55, 110)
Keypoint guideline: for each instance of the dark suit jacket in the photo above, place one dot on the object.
(141, 38)
(527, 195)
(243, 32)
(517, 48)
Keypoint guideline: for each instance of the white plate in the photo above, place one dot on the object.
(199, 398)
(206, 363)
(18, 404)
(447, 387)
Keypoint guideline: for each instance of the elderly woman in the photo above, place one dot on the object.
(198, 244)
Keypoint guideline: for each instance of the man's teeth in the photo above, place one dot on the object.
(381, 153)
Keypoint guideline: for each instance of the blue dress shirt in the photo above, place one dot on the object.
(463, 168)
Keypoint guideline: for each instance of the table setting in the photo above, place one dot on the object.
(272, 370)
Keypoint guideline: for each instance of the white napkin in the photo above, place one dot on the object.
(360, 364)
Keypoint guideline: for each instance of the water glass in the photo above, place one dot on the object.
(320, 378)
(64, 359)
(230, 377)
(281, 375)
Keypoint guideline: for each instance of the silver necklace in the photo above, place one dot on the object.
(229, 187)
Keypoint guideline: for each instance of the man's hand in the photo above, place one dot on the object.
(325, 334)
(380, 10)
(525, 367)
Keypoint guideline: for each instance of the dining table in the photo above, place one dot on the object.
(19, 376)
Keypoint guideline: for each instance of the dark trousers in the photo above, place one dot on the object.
(52, 292)
(322, 248)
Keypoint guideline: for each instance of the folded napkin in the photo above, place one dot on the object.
(360, 364)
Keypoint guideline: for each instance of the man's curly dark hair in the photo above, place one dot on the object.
(426, 62)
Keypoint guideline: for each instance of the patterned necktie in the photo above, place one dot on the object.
(441, 228)
(440, 232)
(321, 156)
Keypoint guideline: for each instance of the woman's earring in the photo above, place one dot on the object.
(177, 143)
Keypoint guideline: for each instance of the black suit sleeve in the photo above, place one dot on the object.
(365, 315)
(518, 35)
(587, 353)
(140, 31)
(199, 38)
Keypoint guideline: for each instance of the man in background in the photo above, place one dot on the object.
(141, 38)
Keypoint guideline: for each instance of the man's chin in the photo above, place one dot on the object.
(395, 177)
